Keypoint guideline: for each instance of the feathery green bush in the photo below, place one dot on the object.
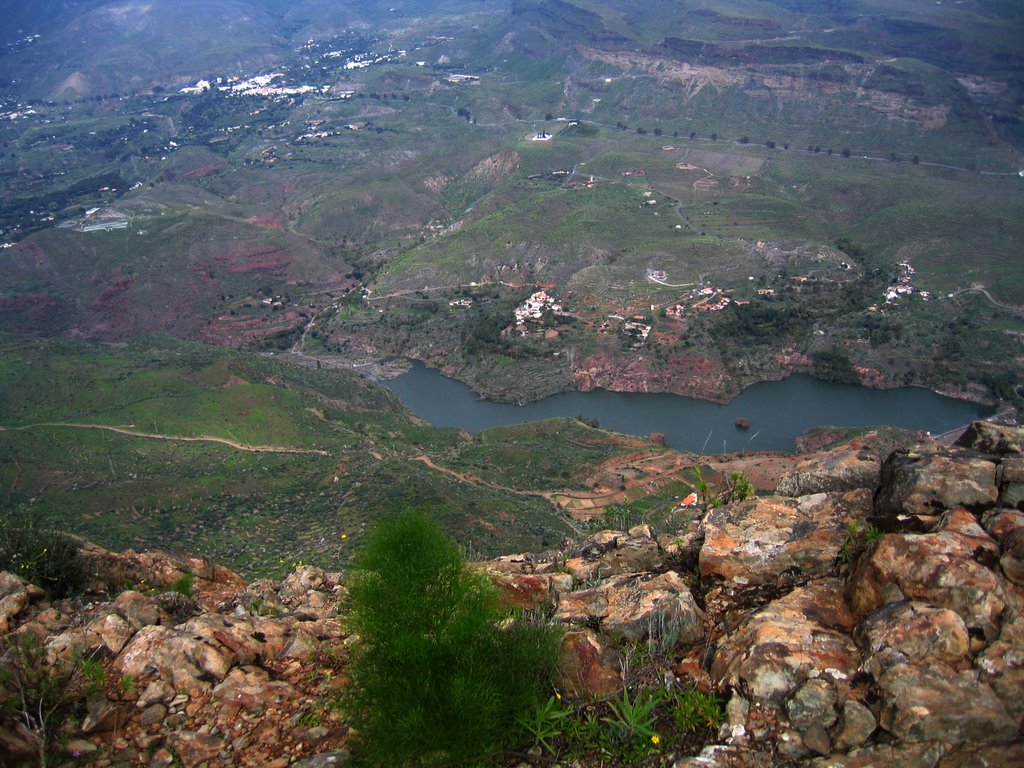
(437, 677)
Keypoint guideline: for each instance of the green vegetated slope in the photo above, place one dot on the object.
(731, 145)
(253, 462)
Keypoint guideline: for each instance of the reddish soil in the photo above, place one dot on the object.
(203, 170)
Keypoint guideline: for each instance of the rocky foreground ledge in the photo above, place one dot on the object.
(876, 619)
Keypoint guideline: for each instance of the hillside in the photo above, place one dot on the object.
(841, 620)
(841, 176)
(258, 463)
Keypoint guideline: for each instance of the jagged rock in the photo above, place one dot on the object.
(103, 715)
(721, 756)
(137, 609)
(986, 437)
(836, 471)
(987, 755)
(1001, 665)
(111, 572)
(913, 632)
(157, 692)
(856, 724)
(887, 756)
(919, 485)
(790, 744)
(110, 632)
(589, 668)
(611, 553)
(527, 590)
(928, 704)
(15, 595)
(814, 703)
(193, 749)
(1007, 527)
(776, 540)
(793, 639)
(251, 689)
(950, 568)
(152, 714)
(1011, 483)
(816, 739)
(635, 606)
(308, 578)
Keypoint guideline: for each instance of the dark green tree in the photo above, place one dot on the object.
(435, 681)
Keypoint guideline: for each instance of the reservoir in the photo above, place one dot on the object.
(778, 411)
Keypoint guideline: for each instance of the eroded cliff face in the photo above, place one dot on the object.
(873, 616)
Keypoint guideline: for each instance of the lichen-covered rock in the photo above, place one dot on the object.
(636, 606)
(1007, 527)
(856, 724)
(777, 540)
(913, 632)
(612, 553)
(800, 636)
(986, 755)
(194, 749)
(109, 632)
(887, 756)
(950, 568)
(589, 668)
(919, 485)
(928, 703)
(15, 595)
(814, 703)
(1011, 483)
(1001, 664)
(836, 471)
(986, 437)
(137, 609)
(530, 590)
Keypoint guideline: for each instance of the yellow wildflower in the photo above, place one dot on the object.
(655, 739)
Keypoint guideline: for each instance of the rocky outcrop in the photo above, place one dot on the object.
(833, 642)
(844, 469)
(777, 541)
(226, 683)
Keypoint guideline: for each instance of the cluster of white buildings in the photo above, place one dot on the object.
(535, 307)
(904, 285)
(260, 85)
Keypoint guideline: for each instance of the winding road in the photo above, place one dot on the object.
(174, 438)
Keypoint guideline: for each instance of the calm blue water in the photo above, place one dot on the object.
(778, 411)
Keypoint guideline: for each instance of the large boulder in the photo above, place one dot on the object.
(801, 636)
(15, 595)
(1001, 664)
(1011, 483)
(589, 668)
(918, 485)
(776, 540)
(950, 568)
(913, 632)
(1007, 527)
(835, 471)
(612, 553)
(929, 703)
(986, 437)
(635, 607)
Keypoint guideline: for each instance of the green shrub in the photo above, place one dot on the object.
(694, 710)
(435, 680)
(40, 554)
(183, 585)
